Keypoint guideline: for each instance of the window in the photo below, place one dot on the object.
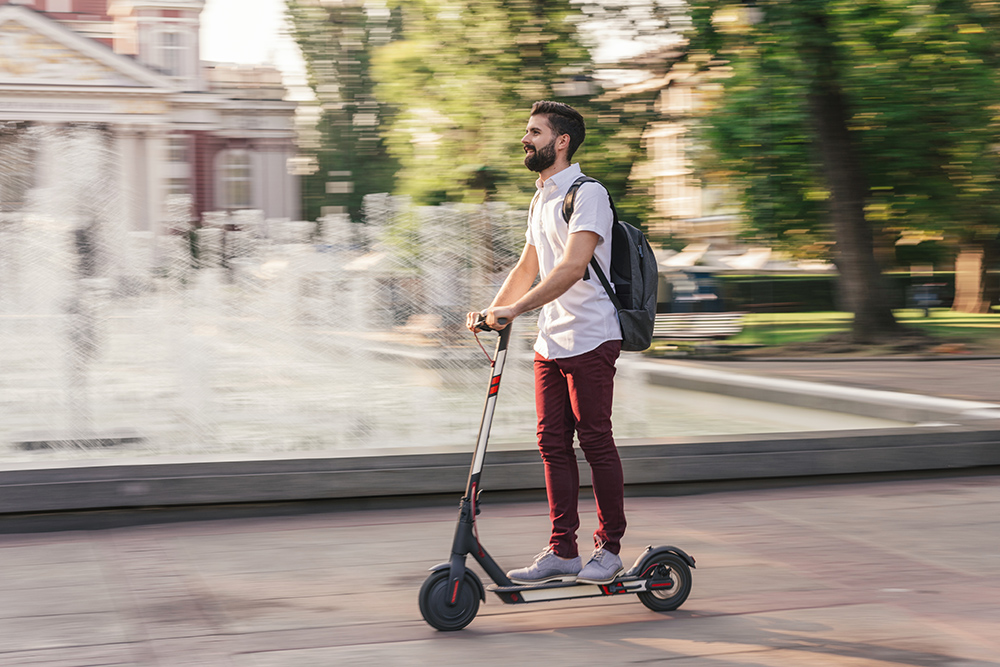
(172, 54)
(177, 148)
(235, 179)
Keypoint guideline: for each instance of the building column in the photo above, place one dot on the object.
(130, 176)
(293, 197)
(156, 186)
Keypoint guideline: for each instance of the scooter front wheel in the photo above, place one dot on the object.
(434, 598)
(669, 581)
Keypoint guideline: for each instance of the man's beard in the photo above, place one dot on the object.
(542, 158)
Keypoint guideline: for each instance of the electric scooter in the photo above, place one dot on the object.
(450, 596)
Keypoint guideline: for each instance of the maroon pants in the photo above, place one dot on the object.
(574, 395)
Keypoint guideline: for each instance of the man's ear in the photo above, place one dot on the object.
(562, 142)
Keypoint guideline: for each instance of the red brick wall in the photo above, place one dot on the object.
(94, 7)
(79, 9)
(206, 147)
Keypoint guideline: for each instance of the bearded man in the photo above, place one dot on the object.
(579, 340)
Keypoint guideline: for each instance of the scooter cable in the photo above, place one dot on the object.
(481, 347)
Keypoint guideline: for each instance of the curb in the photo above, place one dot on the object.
(950, 435)
(203, 482)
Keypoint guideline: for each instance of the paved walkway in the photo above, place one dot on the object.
(965, 379)
(867, 575)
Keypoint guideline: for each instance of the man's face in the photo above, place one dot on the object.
(539, 143)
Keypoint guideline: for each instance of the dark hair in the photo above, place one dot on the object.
(564, 119)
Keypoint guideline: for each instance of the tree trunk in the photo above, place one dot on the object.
(970, 280)
(863, 289)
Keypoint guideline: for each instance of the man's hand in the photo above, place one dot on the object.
(471, 320)
(494, 314)
(492, 317)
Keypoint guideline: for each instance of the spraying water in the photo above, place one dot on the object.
(241, 335)
(248, 336)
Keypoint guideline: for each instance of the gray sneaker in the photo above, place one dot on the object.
(602, 568)
(547, 567)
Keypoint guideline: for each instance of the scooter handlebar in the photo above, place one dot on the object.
(482, 326)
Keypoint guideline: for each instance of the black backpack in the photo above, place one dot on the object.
(633, 271)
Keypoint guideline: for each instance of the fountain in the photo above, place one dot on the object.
(245, 334)
(255, 337)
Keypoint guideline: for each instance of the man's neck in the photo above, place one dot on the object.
(556, 167)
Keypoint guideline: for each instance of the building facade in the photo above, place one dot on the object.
(221, 134)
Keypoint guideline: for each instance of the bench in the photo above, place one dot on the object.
(783, 307)
(697, 326)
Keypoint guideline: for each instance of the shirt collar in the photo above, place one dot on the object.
(563, 179)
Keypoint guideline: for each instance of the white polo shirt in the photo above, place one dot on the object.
(583, 317)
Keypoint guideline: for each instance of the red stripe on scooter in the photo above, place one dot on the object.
(454, 593)
(495, 385)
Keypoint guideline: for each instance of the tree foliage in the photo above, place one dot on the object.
(337, 41)
(464, 76)
(451, 83)
(922, 89)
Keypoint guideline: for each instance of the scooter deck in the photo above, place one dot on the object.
(567, 590)
(517, 588)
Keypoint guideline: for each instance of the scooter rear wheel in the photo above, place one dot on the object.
(667, 567)
(434, 596)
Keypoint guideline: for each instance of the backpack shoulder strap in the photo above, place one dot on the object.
(570, 199)
(567, 210)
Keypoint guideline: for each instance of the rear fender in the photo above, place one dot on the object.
(651, 554)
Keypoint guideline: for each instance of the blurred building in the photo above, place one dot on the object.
(698, 208)
(222, 134)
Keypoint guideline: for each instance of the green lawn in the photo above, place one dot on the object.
(956, 332)
(775, 329)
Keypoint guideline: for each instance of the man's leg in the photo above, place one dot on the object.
(591, 390)
(555, 442)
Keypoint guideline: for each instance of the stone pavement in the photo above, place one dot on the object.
(867, 574)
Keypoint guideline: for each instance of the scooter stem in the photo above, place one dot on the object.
(476, 469)
(465, 541)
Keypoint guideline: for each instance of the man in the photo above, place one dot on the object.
(578, 342)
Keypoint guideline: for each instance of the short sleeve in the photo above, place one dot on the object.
(592, 211)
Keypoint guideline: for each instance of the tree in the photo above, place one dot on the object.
(853, 121)
(430, 96)
(931, 143)
(463, 77)
(337, 40)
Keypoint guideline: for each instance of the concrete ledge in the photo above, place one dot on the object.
(156, 483)
(893, 405)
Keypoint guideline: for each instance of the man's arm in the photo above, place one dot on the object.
(568, 271)
(516, 285)
(521, 277)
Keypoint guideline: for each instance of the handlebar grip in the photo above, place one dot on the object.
(482, 326)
